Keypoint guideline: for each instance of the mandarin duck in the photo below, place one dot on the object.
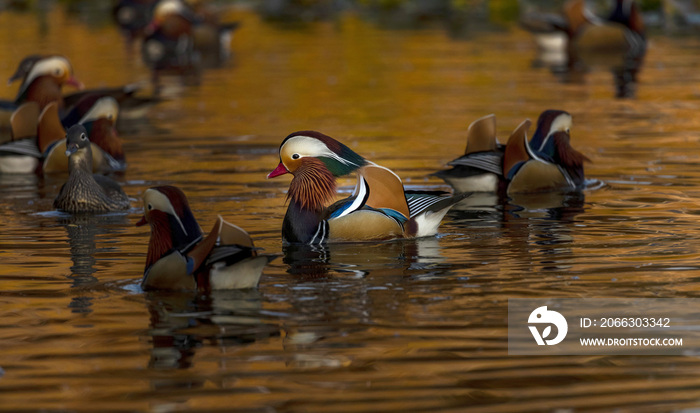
(181, 39)
(617, 42)
(43, 78)
(551, 33)
(621, 33)
(40, 144)
(24, 67)
(83, 191)
(42, 82)
(211, 37)
(529, 171)
(130, 101)
(549, 122)
(379, 208)
(479, 169)
(169, 43)
(133, 16)
(180, 258)
(99, 116)
(21, 154)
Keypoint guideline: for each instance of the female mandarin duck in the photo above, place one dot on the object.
(180, 258)
(83, 191)
(379, 209)
(548, 162)
(479, 169)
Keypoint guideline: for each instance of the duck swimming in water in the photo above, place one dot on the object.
(181, 258)
(379, 209)
(85, 192)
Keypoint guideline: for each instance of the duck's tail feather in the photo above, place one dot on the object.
(427, 211)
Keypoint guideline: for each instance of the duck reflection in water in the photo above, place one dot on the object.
(576, 41)
(83, 231)
(362, 259)
(541, 228)
(182, 322)
(342, 288)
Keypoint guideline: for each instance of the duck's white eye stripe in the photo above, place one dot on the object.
(308, 146)
(160, 201)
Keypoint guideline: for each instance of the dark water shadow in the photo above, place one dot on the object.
(397, 258)
(84, 231)
(182, 322)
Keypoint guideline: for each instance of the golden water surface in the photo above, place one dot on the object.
(401, 326)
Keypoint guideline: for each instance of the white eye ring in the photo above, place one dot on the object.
(296, 156)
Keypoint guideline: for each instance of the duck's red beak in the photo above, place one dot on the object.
(142, 221)
(75, 83)
(280, 170)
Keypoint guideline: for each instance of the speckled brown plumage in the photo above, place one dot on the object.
(83, 191)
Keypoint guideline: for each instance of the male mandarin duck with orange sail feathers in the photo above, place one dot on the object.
(181, 258)
(547, 162)
(42, 78)
(379, 208)
(479, 169)
(39, 138)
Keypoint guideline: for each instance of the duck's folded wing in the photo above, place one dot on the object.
(486, 161)
(229, 254)
(26, 147)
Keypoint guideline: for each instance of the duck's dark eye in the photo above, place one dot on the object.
(57, 72)
(296, 156)
(149, 206)
(83, 137)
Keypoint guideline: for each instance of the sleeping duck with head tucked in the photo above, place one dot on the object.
(379, 208)
(83, 191)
